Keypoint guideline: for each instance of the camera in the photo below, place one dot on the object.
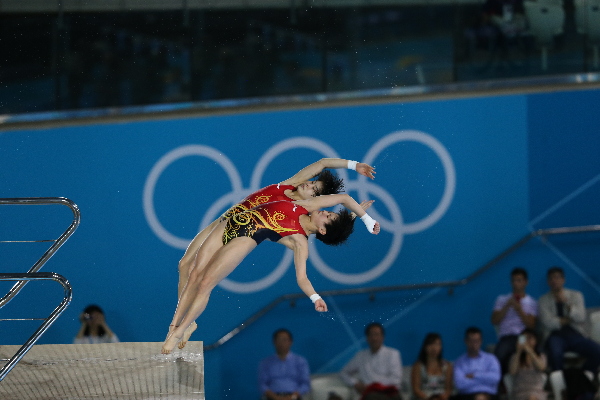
(522, 339)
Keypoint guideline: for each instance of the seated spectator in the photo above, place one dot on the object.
(431, 375)
(94, 328)
(476, 373)
(562, 318)
(375, 373)
(284, 375)
(512, 313)
(528, 366)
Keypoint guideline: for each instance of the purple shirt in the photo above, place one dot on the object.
(512, 323)
(486, 374)
(284, 376)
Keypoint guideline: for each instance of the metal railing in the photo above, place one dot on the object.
(53, 248)
(33, 275)
(292, 297)
(48, 321)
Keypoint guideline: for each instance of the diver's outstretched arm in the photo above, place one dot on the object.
(315, 169)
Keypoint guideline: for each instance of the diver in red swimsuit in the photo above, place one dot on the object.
(277, 192)
(270, 221)
(298, 187)
(287, 223)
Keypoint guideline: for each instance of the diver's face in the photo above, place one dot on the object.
(322, 218)
(308, 189)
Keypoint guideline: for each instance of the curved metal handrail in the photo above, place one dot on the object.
(293, 296)
(54, 247)
(37, 276)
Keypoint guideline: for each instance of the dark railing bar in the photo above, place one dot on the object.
(417, 286)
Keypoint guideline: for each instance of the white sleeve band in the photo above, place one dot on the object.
(369, 222)
(314, 297)
(352, 165)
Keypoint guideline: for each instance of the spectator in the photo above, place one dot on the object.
(562, 318)
(375, 373)
(284, 375)
(431, 375)
(512, 313)
(527, 366)
(476, 373)
(94, 328)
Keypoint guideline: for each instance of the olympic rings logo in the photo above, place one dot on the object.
(364, 187)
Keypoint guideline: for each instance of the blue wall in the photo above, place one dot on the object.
(457, 182)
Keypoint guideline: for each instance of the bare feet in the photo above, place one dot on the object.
(186, 335)
(171, 329)
(170, 343)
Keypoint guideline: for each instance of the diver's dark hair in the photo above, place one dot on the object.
(331, 183)
(338, 230)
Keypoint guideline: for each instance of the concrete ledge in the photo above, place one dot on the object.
(105, 371)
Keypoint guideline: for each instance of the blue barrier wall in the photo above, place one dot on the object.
(457, 182)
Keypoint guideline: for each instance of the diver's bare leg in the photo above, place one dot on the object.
(225, 260)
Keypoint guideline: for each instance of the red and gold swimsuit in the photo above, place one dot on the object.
(267, 194)
(267, 221)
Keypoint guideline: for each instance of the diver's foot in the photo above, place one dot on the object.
(186, 335)
(170, 343)
(171, 329)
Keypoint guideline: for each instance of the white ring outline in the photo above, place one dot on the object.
(301, 142)
(157, 170)
(449, 172)
(399, 229)
(379, 269)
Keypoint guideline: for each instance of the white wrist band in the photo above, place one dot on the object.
(314, 297)
(352, 165)
(369, 222)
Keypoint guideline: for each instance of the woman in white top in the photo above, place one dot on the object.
(94, 328)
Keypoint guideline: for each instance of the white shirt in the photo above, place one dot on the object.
(512, 324)
(384, 366)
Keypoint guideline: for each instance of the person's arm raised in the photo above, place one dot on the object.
(319, 202)
(315, 169)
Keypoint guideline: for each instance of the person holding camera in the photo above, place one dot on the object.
(513, 313)
(528, 366)
(94, 328)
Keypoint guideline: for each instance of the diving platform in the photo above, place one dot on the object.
(114, 371)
